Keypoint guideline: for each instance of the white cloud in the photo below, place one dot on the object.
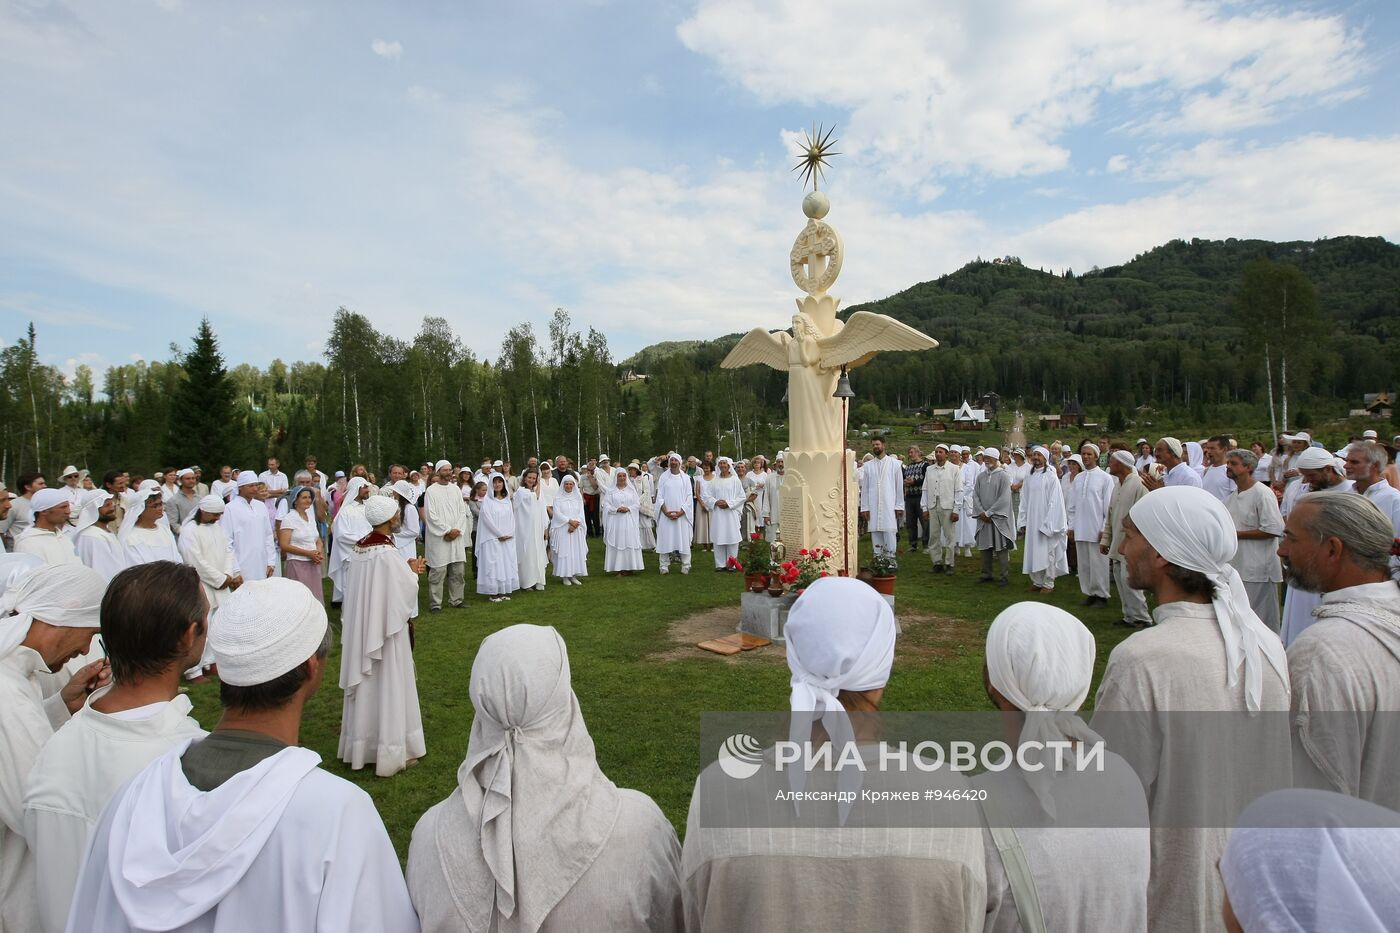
(1116, 163)
(969, 87)
(385, 49)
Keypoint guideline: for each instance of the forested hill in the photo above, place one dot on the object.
(1159, 329)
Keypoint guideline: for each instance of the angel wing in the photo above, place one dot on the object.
(759, 346)
(866, 334)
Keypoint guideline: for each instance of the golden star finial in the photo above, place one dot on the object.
(816, 152)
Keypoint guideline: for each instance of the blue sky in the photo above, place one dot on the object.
(264, 163)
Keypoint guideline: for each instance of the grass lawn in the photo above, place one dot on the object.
(643, 710)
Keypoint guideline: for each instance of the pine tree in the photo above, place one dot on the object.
(201, 412)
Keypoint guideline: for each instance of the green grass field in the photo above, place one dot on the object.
(642, 709)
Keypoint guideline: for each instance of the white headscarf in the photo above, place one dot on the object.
(539, 809)
(568, 506)
(1314, 861)
(1195, 457)
(134, 501)
(1190, 528)
(1041, 659)
(840, 636)
(92, 501)
(211, 504)
(66, 595)
(352, 492)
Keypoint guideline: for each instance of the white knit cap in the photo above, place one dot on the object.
(1173, 445)
(46, 499)
(1314, 458)
(65, 595)
(246, 478)
(265, 629)
(441, 464)
(214, 505)
(991, 452)
(1123, 457)
(379, 509)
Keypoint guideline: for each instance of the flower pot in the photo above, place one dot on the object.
(756, 582)
(883, 585)
(775, 586)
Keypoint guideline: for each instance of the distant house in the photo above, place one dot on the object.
(1379, 405)
(633, 376)
(931, 427)
(967, 418)
(991, 404)
(1049, 422)
(1073, 413)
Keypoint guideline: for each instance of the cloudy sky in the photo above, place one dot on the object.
(263, 163)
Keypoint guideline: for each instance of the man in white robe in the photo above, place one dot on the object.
(1125, 495)
(1175, 471)
(1092, 494)
(996, 526)
(93, 539)
(47, 539)
(248, 526)
(1259, 526)
(55, 616)
(448, 532)
(348, 528)
(967, 527)
(1318, 471)
(773, 498)
(145, 531)
(882, 498)
(241, 830)
(381, 722)
(535, 836)
(73, 488)
(1345, 669)
(724, 497)
(206, 547)
(675, 515)
(1207, 652)
(153, 627)
(1044, 522)
(941, 502)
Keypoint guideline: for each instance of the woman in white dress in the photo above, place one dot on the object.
(568, 536)
(532, 530)
(498, 572)
(646, 492)
(621, 532)
(410, 530)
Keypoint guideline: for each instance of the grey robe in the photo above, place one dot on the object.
(992, 494)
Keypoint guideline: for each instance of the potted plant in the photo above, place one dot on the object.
(756, 562)
(883, 568)
(807, 567)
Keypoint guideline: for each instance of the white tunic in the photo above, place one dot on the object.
(1092, 494)
(348, 528)
(1256, 559)
(318, 857)
(1217, 482)
(531, 522)
(967, 525)
(568, 551)
(497, 569)
(1182, 475)
(147, 545)
(445, 510)
(49, 546)
(380, 721)
(881, 493)
(674, 493)
(80, 769)
(208, 550)
(249, 528)
(724, 522)
(99, 549)
(1043, 516)
(622, 536)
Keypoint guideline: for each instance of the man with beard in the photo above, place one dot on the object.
(1318, 471)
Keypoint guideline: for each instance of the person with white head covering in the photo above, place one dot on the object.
(447, 534)
(93, 539)
(942, 503)
(724, 498)
(1310, 861)
(1092, 495)
(549, 484)
(380, 723)
(1082, 835)
(1144, 459)
(410, 529)
(205, 546)
(967, 525)
(1317, 471)
(497, 567)
(882, 498)
(47, 538)
(535, 837)
(145, 531)
(73, 488)
(1045, 522)
(241, 830)
(1207, 651)
(154, 621)
(248, 525)
(48, 616)
(1196, 458)
(675, 515)
(996, 525)
(773, 496)
(568, 533)
(1344, 670)
(1126, 493)
(646, 506)
(349, 527)
(1171, 457)
(532, 529)
(622, 536)
(827, 874)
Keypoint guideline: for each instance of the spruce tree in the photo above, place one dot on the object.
(201, 412)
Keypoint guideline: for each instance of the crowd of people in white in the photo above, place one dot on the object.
(118, 812)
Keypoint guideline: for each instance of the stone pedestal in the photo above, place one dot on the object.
(766, 616)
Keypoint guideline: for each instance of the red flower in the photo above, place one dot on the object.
(803, 552)
(754, 536)
(823, 573)
(826, 552)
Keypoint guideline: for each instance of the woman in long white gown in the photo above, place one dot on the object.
(531, 530)
(568, 535)
(621, 532)
(646, 492)
(498, 570)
